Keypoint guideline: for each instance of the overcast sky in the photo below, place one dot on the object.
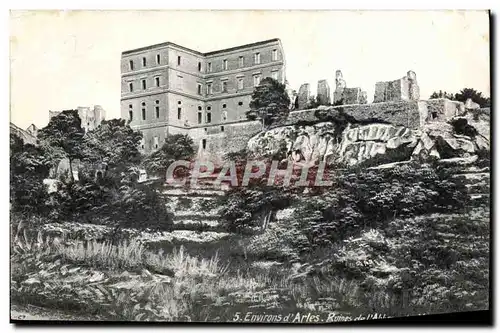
(61, 60)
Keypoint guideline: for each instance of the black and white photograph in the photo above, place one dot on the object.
(249, 166)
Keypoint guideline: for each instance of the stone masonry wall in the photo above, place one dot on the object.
(403, 113)
(233, 138)
(442, 109)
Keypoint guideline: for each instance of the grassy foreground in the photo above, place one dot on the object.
(127, 281)
(160, 280)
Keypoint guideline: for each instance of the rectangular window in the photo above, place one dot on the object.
(130, 115)
(274, 75)
(209, 117)
(158, 59)
(199, 89)
(131, 87)
(143, 114)
(222, 128)
(131, 65)
(179, 82)
(275, 55)
(209, 67)
(157, 81)
(209, 89)
(157, 110)
(144, 62)
(224, 64)
(178, 60)
(204, 143)
(256, 80)
(240, 83)
(224, 86)
(143, 82)
(199, 67)
(256, 58)
(179, 113)
(200, 117)
(241, 62)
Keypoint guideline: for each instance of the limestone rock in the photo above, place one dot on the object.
(481, 142)
(374, 143)
(362, 143)
(439, 140)
(322, 142)
(469, 104)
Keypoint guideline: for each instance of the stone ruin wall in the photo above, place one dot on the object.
(400, 113)
(234, 138)
(397, 103)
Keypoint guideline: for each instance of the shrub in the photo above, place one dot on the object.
(251, 207)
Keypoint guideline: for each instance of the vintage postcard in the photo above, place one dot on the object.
(284, 167)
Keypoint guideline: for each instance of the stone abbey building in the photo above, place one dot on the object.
(170, 89)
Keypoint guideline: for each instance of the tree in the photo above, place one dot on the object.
(113, 144)
(442, 94)
(463, 95)
(474, 95)
(270, 102)
(28, 168)
(116, 198)
(313, 102)
(176, 147)
(64, 131)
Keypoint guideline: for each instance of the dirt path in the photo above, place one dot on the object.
(31, 312)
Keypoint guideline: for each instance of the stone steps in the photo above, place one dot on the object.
(192, 193)
(476, 176)
(208, 223)
(196, 217)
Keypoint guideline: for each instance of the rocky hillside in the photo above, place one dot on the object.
(351, 143)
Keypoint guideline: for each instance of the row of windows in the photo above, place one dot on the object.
(241, 61)
(179, 112)
(144, 84)
(209, 90)
(144, 62)
(239, 84)
(225, 64)
(156, 141)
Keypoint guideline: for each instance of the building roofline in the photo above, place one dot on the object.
(154, 46)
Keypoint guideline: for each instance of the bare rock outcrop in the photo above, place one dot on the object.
(376, 143)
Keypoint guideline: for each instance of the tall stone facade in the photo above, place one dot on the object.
(167, 88)
(303, 96)
(339, 87)
(323, 93)
(404, 89)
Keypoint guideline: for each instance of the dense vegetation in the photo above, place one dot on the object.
(270, 102)
(409, 238)
(398, 241)
(106, 190)
(463, 95)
